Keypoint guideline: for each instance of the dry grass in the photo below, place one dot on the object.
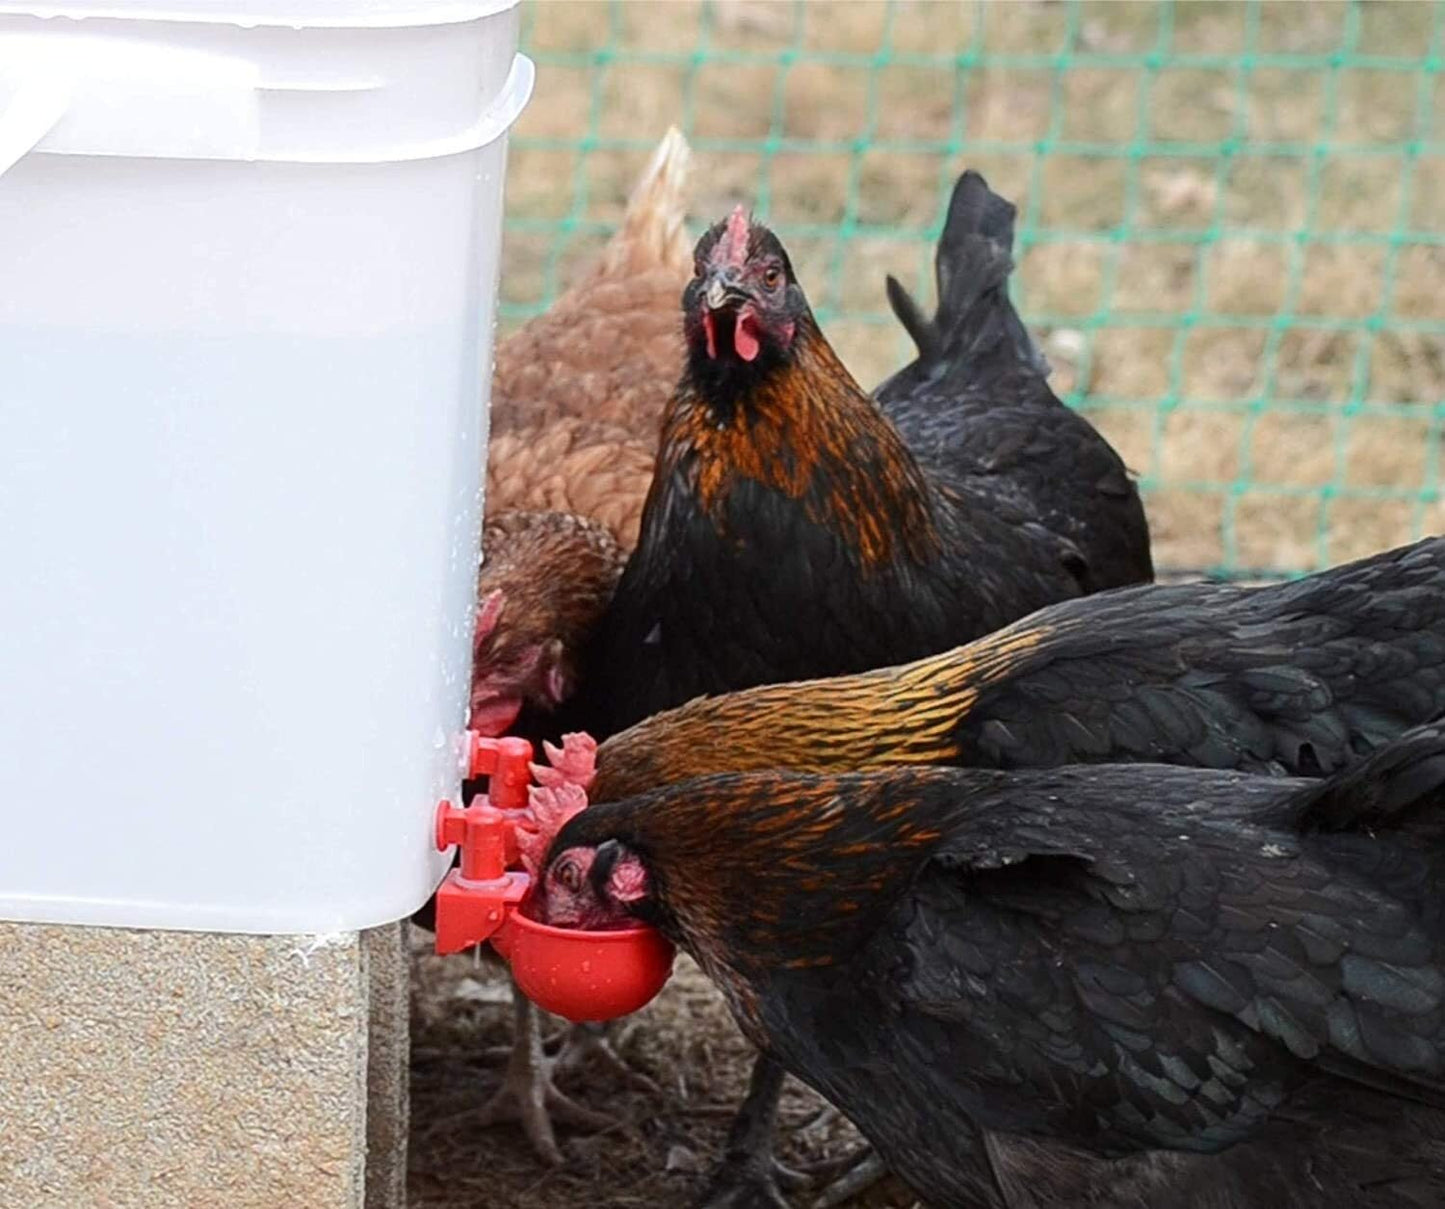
(1182, 406)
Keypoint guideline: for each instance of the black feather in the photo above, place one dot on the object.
(990, 504)
(977, 403)
(1303, 678)
(905, 307)
(1116, 971)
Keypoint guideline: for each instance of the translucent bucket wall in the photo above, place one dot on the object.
(248, 265)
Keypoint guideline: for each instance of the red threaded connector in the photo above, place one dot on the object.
(475, 900)
(507, 762)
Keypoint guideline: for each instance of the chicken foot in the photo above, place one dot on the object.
(528, 1095)
(589, 1043)
(750, 1176)
(749, 1162)
(864, 1169)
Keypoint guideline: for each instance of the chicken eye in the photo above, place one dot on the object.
(569, 873)
(771, 276)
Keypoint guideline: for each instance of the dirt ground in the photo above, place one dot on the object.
(658, 1153)
(1256, 446)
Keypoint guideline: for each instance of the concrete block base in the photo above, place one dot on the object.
(388, 1067)
(150, 1070)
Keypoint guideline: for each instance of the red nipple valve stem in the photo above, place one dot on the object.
(481, 830)
(507, 762)
(474, 901)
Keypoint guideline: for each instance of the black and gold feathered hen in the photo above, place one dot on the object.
(1118, 985)
(796, 528)
(1298, 678)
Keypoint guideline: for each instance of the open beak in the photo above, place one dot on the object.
(723, 292)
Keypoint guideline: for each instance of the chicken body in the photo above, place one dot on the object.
(793, 529)
(609, 350)
(1124, 985)
(572, 466)
(976, 402)
(577, 399)
(1299, 678)
(1302, 678)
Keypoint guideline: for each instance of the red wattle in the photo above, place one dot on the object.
(745, 336)
(707, 326)
(493, 716)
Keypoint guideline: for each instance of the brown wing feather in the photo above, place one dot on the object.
(611, 352)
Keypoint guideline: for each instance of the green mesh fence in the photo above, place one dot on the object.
(1232, 218)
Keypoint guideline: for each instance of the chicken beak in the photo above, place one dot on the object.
(723, 289)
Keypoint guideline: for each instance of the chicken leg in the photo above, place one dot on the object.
(528, 1095)
(749, 1176)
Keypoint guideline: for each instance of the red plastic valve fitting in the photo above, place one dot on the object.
(508, 764)
(474, 900)
(577, 974)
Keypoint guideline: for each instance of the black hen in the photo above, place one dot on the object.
(794, 528)
(1299, 678)
(978, 399)
(1122, 985)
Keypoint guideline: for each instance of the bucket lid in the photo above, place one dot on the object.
(85, 95)
(301, 14)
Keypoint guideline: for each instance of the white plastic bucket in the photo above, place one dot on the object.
(248, 265)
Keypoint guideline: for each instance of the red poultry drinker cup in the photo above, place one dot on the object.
(573, 973)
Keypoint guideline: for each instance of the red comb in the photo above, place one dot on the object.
(560, 792)
(487, 618)
(551, 808)
(735, 238)
(574, 763)
(488, 615)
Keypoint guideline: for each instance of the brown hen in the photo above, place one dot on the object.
(577, 400)
(610, 348)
